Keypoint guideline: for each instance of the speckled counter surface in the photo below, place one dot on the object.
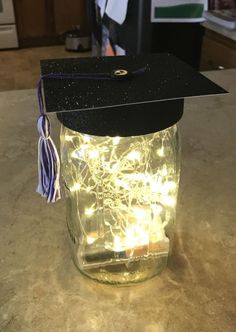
(41, 290)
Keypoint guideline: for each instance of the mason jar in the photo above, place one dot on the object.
(121, 197)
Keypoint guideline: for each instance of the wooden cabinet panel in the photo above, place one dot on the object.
(69, 13)
(218, 52)
(33, 18)
(41, 22)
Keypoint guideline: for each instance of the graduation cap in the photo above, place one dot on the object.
(111, 96)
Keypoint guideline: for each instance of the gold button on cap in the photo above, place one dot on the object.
(120, 73)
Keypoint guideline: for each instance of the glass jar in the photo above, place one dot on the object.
(121, 202)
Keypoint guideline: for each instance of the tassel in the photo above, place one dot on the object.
(48, 163)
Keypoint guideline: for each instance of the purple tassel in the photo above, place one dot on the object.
(48, 158)
(48, 163)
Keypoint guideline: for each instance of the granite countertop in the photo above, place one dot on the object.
(41, 290)
(231, 34)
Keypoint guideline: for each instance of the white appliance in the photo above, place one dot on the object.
(8, 32)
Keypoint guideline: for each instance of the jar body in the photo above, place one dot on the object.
(121, 201)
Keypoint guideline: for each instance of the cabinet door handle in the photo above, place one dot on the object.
(221, 67)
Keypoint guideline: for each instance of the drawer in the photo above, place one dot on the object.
(217, 54)
(8, 36)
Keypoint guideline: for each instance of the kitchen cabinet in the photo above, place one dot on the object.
(68, 13)
(218, 51)
(43, 22)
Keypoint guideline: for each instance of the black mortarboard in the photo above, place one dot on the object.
(112, 96)
(141, 102)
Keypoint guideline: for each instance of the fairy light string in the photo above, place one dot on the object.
(126, 181)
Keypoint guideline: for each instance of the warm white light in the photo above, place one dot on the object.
(122, 183)
(130, 238)
(79, 153)
(75, 187)
(115, 167)
(136, 236)
(69, 138)
(156, 185)
(93, 154)
(139, 213)
(169, 201)
(134, 155)
(164, 171)
(89, 211)
(157, 209)
(129, 196)
(111, 167)
(117, 244)
(116, 140)
(137, 177)
(170, 185)
(86, 139)
(88, 189)
(160, 152)
(91, 240)
(74, 154)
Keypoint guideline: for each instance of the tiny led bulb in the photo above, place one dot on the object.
(75, 187)
(90, 239)
(93, 154)
(83, 147)
(115, 167)
(88, 189)
(139, 213)
(137, 177)
(117, 244)
(89, 211)
(74, 154)
(164, 171)
(121, 183)
(134, 155)
(157, 208)
(171, 185)
(169, 201)
(116, 140)
(79, 153)
(69, 138)
(160, 152)
(86, 139)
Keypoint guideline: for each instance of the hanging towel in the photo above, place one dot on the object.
(117, 10)
(101, 4)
